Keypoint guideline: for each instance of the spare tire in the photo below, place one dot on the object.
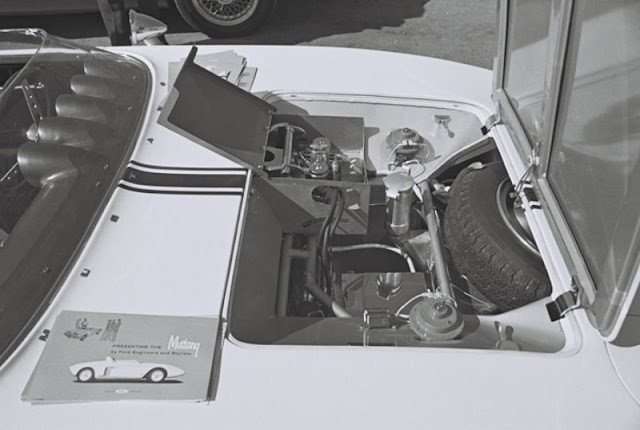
(496, 257)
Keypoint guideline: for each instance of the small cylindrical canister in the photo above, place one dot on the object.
(399, 192)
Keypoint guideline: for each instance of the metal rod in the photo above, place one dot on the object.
(298, 253)
(312, 257)
(288, 145)
(284, 275)
(288, 149)
(442, 275)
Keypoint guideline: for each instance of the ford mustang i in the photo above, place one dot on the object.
(110, 368)
(382, 240)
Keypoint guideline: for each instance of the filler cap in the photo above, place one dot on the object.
(396, 183)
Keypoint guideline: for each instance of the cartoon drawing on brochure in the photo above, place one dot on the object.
(82, 330)
(114, 370)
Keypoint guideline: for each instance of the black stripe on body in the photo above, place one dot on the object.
(187, 169)
(180, 192)
(213, 180)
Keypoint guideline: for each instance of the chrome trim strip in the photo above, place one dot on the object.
(566, 242)
(510, 119)
(499, 61)
(561, 11)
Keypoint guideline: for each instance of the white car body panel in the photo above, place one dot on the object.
(133, 270)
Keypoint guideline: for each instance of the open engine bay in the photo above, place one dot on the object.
(343, 241)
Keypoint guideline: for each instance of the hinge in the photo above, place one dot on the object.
(531, 195)
(564, 303)
(491, 121)
(524, 184)
(45, 335)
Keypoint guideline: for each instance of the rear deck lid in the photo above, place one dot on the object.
(567, 86)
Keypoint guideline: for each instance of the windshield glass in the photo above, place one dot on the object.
(526, 60)
(595, 167)
(68, 119)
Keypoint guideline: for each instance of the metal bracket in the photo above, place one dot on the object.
(491, 121)
(45, 335)
(380, 318)
(530, 193)
(524, 185)
(288, 146)
(443, 121)
(564, 303)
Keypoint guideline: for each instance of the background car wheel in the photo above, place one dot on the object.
(489, 244)
(85, 375)
(156, 375)
(225, 18)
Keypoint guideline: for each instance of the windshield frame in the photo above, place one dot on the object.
(606, 306)
(42, 267)
(539, 152)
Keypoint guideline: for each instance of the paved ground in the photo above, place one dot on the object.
(458, 30)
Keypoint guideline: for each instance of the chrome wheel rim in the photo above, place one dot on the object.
(513, 217)
(226, 12)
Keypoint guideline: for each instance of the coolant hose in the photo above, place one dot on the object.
(324, 298)
(362, 246)
(312, 286)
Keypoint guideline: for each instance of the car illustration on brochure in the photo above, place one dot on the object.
(82, 333)
(382, 239)
(119, 370)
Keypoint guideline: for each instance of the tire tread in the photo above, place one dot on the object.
(498, 266)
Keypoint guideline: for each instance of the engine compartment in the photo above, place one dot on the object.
(342, 239)
(342, 242)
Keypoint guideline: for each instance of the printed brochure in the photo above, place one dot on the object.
(105, 356)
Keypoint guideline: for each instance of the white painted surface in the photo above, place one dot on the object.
(169, 254)
(626, 361)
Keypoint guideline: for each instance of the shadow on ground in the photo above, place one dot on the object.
(456, 30)
(296, 21)
(292, 21)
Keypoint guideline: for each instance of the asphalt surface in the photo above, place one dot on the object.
(457, 30)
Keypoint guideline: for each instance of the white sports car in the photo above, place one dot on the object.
(119, 370)
(387, 240)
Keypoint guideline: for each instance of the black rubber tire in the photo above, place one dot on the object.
(149, 375)
(197, 19)
(89, 379)
(484, 250)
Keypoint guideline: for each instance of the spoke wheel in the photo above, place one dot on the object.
(226, 12)
(225, 18)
